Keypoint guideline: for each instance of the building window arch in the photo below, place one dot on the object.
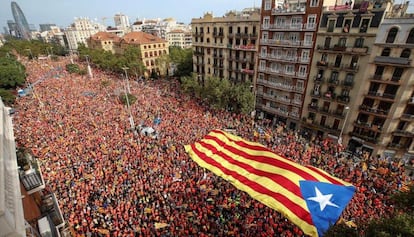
(392, 34)
(410, 38)
(405, 53)
(386, 52)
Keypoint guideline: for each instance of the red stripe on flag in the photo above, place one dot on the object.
(271, 161)
(277, 178)
(265, 160)
(295, 208)
(326, 176)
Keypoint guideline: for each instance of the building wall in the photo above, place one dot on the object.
(337, 75)
(80, 31)
(288, 34)
(384, 122)
(11, 209)
(226, 46)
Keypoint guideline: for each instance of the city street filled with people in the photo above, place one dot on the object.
(112, 181)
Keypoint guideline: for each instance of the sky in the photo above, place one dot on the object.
(63, 12)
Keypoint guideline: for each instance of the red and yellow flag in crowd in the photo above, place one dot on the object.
(307, 196)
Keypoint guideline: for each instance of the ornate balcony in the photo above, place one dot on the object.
(30, 173)
(393, 61)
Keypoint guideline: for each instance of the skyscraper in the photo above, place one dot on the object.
(22, 27)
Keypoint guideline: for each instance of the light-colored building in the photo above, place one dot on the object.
(338, 78)
(52, 35)
(81, 30)
(12, 221)
(150, 46)
(226, 47)
(158, 27)
(383, 121)
(180, 38)
(121, 21)
(287, 39)
(103, 40)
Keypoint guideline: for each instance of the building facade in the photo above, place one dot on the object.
(81, 30)
(180, 38)
(122, 22)
(287, 38)
(338, 77)
(226, 47)
(383, 121)
(103, 40)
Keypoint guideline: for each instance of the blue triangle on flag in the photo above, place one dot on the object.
(325, 202)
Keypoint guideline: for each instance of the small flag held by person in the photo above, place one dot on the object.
(307, 196)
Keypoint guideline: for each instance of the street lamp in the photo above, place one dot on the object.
(127, 92)
(89, 66)
(125, 68)
(343, 125)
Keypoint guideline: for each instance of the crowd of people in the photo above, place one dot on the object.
(111, 181)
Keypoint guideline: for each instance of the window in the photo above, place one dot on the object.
(386, 52)
(327, 43)
(349, 78)
(359, 42)
(290, 69)
(334, 76)
(267, 5)
(396, 76)
(305, 55)
(266, 22)
(314, 3)
(331, 25)
(338, 60)
(405, 53)
(311, 22)
(342, 42)
(308, 39)
(280, 21)
(410, 38)
(302, 70)
(347, 26)
(262, 65)
(263, 52)
(364, 26)
(392, 34)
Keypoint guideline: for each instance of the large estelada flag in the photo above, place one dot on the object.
(307, 196)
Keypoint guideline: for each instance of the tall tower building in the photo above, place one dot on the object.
(226, 47)
(288, 34)
(22, 27)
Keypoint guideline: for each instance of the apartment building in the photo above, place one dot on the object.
(338, 78)
(226, 47)
(180, 38)
(287, 38)
(27, 208)
(384, 117)
(81, 30)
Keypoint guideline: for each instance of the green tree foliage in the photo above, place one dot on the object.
(131, 99)
(7, 96)
(12, 73)
(72, 68)
(220, 93)
(183, 60)
(404, 201)
(341, 230)
(401, 225)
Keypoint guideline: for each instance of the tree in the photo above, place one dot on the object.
(12, 73)
(182, 59)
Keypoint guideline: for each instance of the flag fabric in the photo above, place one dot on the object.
(307, 196)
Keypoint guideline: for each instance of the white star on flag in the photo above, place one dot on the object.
(323, 200)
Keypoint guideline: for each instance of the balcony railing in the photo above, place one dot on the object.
(293, 27)
(31, 177)
(281, 86)
(247, 71)
(392, 60)
(344, 48)
(283, 72)
(289, 10)
(250, 47)
(382, 95)
(288, 43)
